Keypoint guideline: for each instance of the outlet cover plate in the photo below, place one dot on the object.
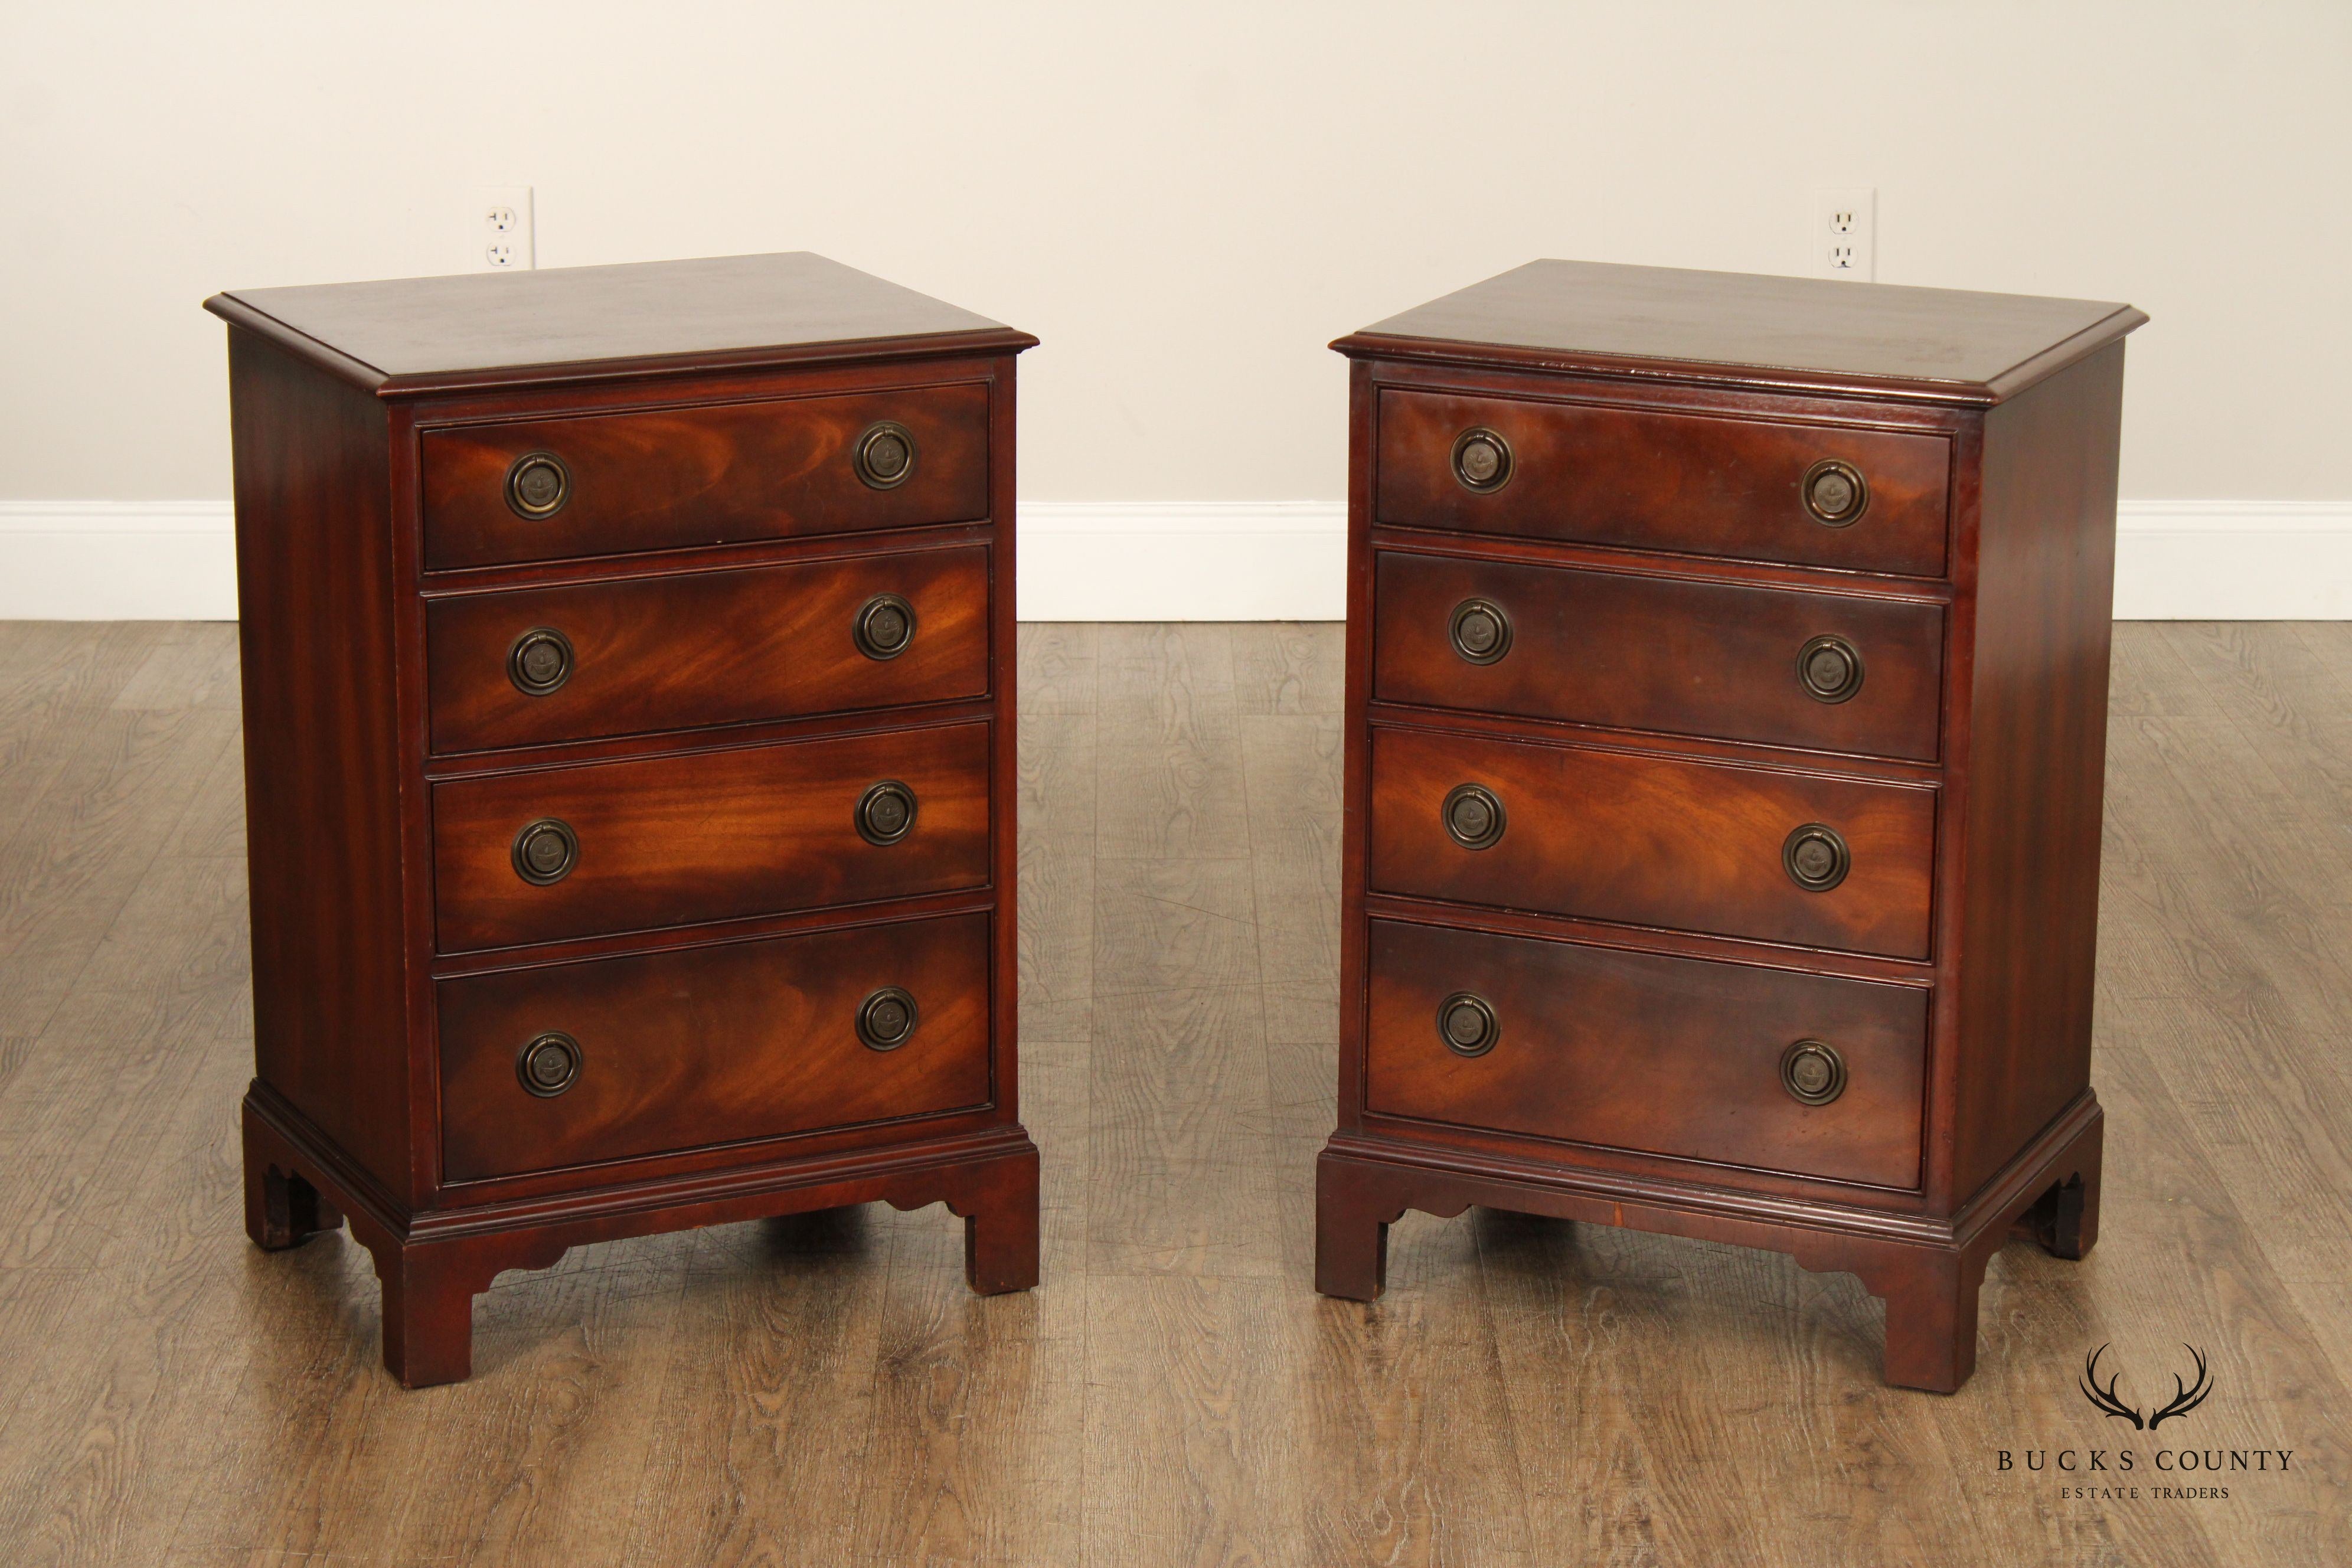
(499, 230)
(1843, 234)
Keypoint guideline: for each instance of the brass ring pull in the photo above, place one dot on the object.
(1829, 668)
(539, 661)
(538, 484)
(1474, 816)
(549, 1065)
(886, 1018)
(1814, 1073)
(886, 813)
(1836, 492)
(1467, 1025)
(545, 851)
(1482, 460)
(883, 628)
(884, 455)
(1815, 858)
(1479, 631)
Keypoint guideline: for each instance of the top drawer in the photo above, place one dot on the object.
(597, 484)
(1651, 480)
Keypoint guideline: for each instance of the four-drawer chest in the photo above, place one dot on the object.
(627, 668)
(627, 659)
(1726, 702)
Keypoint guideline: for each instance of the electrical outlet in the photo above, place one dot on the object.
(499, 235)
(1845, 233)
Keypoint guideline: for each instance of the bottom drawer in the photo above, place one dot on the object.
(710, 1045)
(1681, 1056)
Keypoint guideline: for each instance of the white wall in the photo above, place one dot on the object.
(1187, 203)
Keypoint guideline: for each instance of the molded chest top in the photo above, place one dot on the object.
(420, 335)
(1875, 339)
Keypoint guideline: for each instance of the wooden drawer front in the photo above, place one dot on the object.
(722, 474)
(666, 841)
(1654, 653)
(1633, 1050)
(706, 647)
(1659, 481)
(711, 1045)
(1653, 840)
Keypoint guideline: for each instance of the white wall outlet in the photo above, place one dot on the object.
(1845, 233)
(498, 233)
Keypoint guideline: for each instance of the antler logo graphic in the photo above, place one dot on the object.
(2105, 1398)
(2185, 1400)
(2186, 1397)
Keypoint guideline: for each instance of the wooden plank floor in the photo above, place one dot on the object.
(823, 1391)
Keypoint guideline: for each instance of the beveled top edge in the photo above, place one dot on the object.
(406, 335)
(1821, 334)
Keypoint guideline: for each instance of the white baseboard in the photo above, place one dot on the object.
(2174, 560)
(117, 561)
(1178, 561)
(2234, 561)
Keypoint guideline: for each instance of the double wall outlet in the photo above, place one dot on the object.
(498, 233)
(1845, 233)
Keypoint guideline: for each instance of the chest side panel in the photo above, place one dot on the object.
(317, 595)
(2037, 760)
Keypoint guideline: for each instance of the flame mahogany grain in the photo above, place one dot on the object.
(716, 474)
(1647, 955)
(728, 647)
(719, 725)
(1646, 1051)
(1677, 655)
(1652, 839)
(1665, 480)
(711, 836)
(708, 1045)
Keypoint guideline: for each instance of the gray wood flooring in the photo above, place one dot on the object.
(823, 1391)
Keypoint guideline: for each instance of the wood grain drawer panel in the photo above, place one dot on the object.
(1664, 480)
(1655, 653)
(706, 647)
(1654, 840)
(716, 474)
(712, 1045)
(672, 840)
(1662, 1054)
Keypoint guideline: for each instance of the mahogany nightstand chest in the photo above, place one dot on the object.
(1726, 713)
(629, 758)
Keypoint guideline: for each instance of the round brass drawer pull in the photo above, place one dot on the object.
(1813, 1073)
(884, 626)
(884, 455)
(1474, 816)
(545, 851)
(538, 484)
(549, 1065)
(886, 1018)
(1482, 460)
(1834, 493)
(1816, 857)
(885, 812)
(539, 661)
(1829, 669)
(1480, 631)
(1467, 1025)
